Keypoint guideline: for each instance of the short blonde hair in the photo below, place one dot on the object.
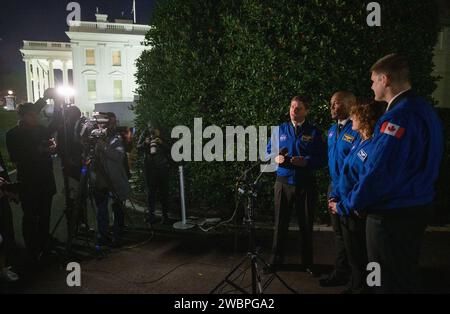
(394, 66)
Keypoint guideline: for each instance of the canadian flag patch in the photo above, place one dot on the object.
(392, 129)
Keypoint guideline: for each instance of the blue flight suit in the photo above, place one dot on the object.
(295, 187)
(352, 220)
(339, 145)
(352, 170)
(396, 188)
(408, 150)
(341, 139)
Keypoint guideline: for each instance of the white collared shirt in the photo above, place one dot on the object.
(300, 124)
(395, 97)
(343, 122)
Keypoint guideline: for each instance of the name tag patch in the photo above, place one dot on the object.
(307, 138)
(362, 155)
(348, 138)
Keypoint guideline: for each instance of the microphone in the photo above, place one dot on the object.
(284, 151)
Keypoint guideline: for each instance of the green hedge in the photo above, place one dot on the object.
(240, 63)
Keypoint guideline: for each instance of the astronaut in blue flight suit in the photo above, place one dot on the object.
(397, 186)
(302, 150)
(341, 139)
(364, 116)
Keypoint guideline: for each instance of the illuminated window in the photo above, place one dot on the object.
(117, 89)
(92, 89)
(90, 57)
(117, 58)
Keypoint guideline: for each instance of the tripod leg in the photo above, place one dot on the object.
(227, 280)
(256, 277)
(274, 275)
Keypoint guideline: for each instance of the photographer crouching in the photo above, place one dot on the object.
(109, 178)
(156, 171)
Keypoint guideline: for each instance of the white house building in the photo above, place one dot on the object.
(99, 62)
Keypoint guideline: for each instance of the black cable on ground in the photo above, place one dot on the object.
(151, 281)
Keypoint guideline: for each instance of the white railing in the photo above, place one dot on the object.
(104, 27)
(46, 45)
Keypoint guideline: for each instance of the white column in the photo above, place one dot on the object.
(45, 74)
(51, 73)
(41, 81)
(35, 82)
(29, 82)
(65, 74)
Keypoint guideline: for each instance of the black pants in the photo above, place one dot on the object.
(6, 228)
(157, 181)
(394, 241)
(36, 221)
(102, 201)
(341, 266)
(288, 198)
(354, 235)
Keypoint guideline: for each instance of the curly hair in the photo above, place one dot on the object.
(368, 112)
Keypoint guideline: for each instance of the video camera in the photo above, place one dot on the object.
(97, 128)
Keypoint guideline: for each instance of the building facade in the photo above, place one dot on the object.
(99, 62)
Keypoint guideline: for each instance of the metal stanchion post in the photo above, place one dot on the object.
(183, 224)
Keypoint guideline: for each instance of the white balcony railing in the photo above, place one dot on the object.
(102, 27)
(46, 45)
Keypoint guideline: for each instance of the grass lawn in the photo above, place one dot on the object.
(8, 119)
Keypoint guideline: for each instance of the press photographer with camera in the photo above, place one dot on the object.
(156, 170)
(30, 146)
(109, 178)
(6, 224)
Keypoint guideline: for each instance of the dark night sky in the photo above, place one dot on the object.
(45, 20)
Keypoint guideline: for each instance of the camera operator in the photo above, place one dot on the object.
(30, 147)
(109, 177)
(70, 151)
(156, 171)
(6, 226)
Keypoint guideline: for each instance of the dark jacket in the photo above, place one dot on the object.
(162, 157)
(34, 167)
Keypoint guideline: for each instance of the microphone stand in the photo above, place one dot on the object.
(258, 285)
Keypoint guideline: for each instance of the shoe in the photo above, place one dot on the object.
(333, 281)
(7, 275)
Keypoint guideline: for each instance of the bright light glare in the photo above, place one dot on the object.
(10, 92)
(66, 91)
